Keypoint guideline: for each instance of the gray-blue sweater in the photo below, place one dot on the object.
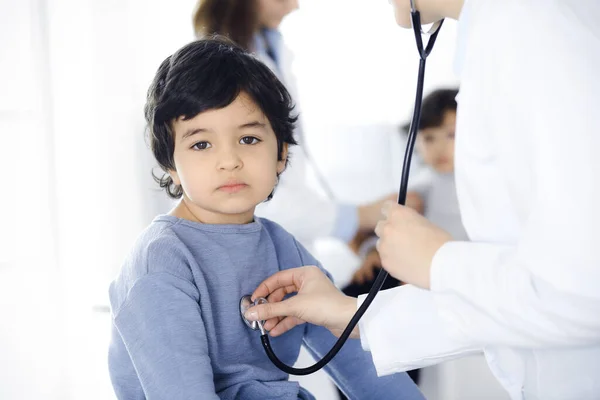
(177, 332)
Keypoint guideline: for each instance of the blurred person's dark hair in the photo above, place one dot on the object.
(204, 75)
(434, 107)
(236, 19)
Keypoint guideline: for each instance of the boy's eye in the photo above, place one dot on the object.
(451, 135)
(201, 146)
(428, 139)
(249, 140)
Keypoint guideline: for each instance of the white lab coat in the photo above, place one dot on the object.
(526, 290)
(295, 205)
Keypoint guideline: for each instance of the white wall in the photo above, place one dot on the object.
(72, 190)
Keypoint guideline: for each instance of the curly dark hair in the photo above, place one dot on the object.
(209, 74)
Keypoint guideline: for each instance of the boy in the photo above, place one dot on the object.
(220, 127)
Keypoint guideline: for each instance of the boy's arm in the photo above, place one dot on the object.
(161, 325)
(353, 371)
(352, 368)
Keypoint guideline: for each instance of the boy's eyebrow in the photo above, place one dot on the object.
(253, 124)
(194, 131)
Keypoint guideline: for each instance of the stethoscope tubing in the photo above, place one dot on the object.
(402, 192)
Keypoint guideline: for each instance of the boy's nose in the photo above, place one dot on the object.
(229, 160)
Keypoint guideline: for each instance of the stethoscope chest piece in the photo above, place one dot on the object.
(245, 303)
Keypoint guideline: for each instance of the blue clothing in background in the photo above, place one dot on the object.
(269, 42)
(177, 331)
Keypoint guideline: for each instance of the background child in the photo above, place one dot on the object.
(434, 196)
(220, 127)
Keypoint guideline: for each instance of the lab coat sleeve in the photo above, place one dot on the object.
(161, 326)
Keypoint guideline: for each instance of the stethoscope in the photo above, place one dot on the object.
(246, 302)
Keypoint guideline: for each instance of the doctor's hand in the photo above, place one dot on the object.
(407, 243)
(317, 301)
(370, 214)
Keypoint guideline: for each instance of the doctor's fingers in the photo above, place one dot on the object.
(379, 228)
(285, 325)
(392, 211)
(271, 323)
(387, 237)
(271, 310)
(396, 216)
(279, 294)
(281, 279)
(274, 297)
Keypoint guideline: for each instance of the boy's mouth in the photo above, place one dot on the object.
(233, 187)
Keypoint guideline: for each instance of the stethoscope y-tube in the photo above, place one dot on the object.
(381, 277)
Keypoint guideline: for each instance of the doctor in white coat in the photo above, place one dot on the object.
(296, 206)
(526, 288)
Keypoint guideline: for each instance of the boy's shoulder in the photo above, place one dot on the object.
(286, 245)
(157, 249)
(157, 239)
(274, 229)
(278, 234)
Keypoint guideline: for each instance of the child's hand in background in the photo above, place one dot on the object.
(366, 272)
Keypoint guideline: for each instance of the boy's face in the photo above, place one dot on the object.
(226, 161)
(436, 144)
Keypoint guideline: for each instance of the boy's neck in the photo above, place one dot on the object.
(187, 210)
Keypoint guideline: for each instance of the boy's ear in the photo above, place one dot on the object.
(284, 155)
(174, 176)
